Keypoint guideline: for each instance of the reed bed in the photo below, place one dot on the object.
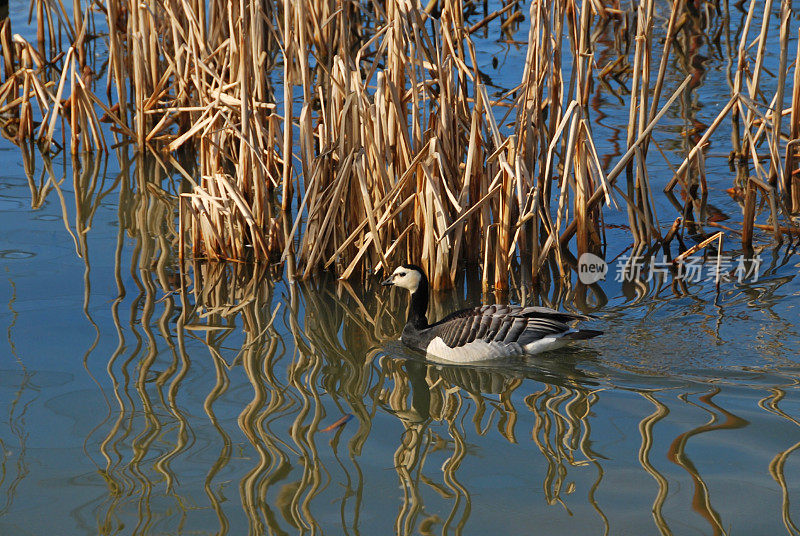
(351, 137)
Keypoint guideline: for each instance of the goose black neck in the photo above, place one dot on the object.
(419, 306)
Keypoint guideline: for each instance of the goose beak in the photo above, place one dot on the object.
(387, 282)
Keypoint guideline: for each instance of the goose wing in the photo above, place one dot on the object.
(505, 324)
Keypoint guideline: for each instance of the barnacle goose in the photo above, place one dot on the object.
(482, 333)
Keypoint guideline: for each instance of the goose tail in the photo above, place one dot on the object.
(582, 334)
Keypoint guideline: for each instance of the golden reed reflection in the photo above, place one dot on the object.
(332, 350)
(221, 295)
(562, 433)
(777, 467)
(701, 499)
(146, 214)
(146, 373)
(423, 393)
(646, 426)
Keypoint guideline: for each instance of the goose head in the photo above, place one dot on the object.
(407, 276)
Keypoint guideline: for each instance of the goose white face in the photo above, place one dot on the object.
(406, 278)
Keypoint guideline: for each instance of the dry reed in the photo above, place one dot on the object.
(352, 137)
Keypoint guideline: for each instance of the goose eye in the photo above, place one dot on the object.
(402, 274)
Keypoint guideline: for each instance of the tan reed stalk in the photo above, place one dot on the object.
(701, 142)
(777, 110)
(612, 175)
(400, 154)
(288, 103)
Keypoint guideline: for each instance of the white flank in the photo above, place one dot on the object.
(481, 350)
(474, 351)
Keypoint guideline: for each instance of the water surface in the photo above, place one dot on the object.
(131, 407)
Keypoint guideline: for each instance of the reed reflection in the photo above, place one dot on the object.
(146, 428)
(421, 394)
(701, 501)
(14, 464)
(317, 353)
(222, 295)
(777, 466)
(141, 393)
(646, 426)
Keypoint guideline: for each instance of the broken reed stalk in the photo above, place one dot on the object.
(397, 153)
(791, 182)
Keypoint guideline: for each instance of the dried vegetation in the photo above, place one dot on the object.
(351, 136)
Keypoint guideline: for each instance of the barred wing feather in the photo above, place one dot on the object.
(504, 324)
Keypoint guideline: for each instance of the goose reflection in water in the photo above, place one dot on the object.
(424, 395)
